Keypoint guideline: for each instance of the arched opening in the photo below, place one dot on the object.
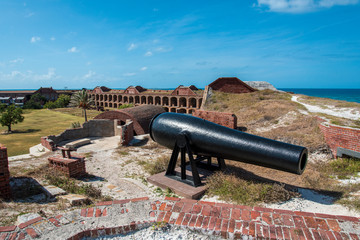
(119, 98)
(173, 110)
(110, 98)
(115, 105)
(102, 104)
(173, 102)
(157, 100)
(166, 109)
(101, 97)
(131, 99)
(150, 100)
(137, 100)
(97, 97)
(143, 100)
(125, 99)
(190, 111)
(181, 110)
(115, 98)
(106, 104)
(192, 102)
(165, 101)
(105, 97)
(200, 102)
(182, 102)
(110, 105)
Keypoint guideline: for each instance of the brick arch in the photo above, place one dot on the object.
(157, 100)
(143, 100)
(192, 103)
(165, 101)
(150, 100)
(120, 98)
(137, 99)
(110, 98)
(115, 98)
(105, 97)
(182, 102)
(126, 99)
(140, 115)
(131, 99)
(173, 101)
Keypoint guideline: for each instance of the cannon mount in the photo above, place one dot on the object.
(182, 146)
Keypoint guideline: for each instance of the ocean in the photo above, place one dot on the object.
(350, 95)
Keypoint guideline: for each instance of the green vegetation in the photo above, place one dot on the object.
(62, 101)
(157, 166)
(10, 115)
(126, 106)
(37, 123)
(231, 188)
(77, 112)
(343, 168)
(36, 101)
(82, 100)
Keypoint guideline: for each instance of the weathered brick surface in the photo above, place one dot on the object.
(5, 191)
(225, 119)
(344, 137)
(230, 85)
(72, 167)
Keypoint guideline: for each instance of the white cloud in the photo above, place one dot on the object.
(143, 68)
(90, 74)
(52, 38)
(50, 75)
(35, 39)
(129, 74)
(301, 6)
(73, 50)
(132, 46)
(18, 60)
(30, 76)
(148, 54)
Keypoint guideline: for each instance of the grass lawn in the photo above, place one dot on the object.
(37, 123)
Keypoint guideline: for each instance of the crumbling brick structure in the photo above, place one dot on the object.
(127, 132)
(230, 85)
(225, 119)
(73, 165)
(5, 191)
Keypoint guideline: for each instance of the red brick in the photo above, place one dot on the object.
(90, 212)
(299, 222)
(104, 212)
(162, 206)
(218, 224)
(187, 207)
(21, 236)
(212, 223)
(323, 234)
(107, 203)
(215, 211)
(266, 217)
(192, 220)
(55, 222)
(262, 209)
(286, 232)
(227, 205)
(354, 236)
(186, 219)
(231, 225)
(279, 233)
(167, 216)
(191, 201)
(252, 229)
(337, 235)
(245, 228)
(225, 212)
(321, 224)
(225, 225)
(316, 234)
(304, 214)
(282, 211)
(330, 235)
(180, 218)
(345, 236)
(32, 232)
(122, 201)
(205, 223)
(139, 199)
(288, 220)
(235, 214)
(25, 224)
(310, 222)
(266, 231)
(207, 203)
(98, 212)
(160, 216)
(168, 207)
(199, 221)
(152, 214)
(7, 229)
(255, 215)
(178, 206)
(259, 233)
(12, 236)
(245, 215)
(196, 209)
(153, 206)
(83, 212)
(277, 219)
(172, 199)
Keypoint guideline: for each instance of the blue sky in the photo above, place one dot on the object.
(162, 44)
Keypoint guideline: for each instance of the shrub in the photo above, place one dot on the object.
(126, 106)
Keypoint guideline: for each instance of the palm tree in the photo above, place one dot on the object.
(82, 100)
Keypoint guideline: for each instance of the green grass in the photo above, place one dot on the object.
(37, 123)
(344, 167)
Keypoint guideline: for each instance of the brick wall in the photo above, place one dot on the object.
(5, 191)
(225, 119)
(72, 167)
(126, 133)
(344, 137)
(49, 144)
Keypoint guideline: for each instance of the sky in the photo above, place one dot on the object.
(161, 44)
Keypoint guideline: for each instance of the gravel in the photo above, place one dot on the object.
(165, 233)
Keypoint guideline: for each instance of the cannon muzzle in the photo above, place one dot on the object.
(212, 140)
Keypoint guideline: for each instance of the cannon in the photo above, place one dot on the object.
(190, 135)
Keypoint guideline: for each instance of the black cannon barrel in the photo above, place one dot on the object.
(213, 140)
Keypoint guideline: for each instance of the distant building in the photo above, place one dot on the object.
(231, 85)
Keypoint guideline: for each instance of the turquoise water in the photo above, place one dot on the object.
(350, 95)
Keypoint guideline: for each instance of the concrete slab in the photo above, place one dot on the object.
(78, 143)
(26, 217)
(53, 191)
(74, 199)
(182, 188)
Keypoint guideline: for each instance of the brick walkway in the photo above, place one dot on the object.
(226, 220)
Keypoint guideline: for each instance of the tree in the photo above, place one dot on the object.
(36, 101)
(11, 115)
(82, 100)
(62, 101)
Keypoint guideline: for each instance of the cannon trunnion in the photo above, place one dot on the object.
(190, 135)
